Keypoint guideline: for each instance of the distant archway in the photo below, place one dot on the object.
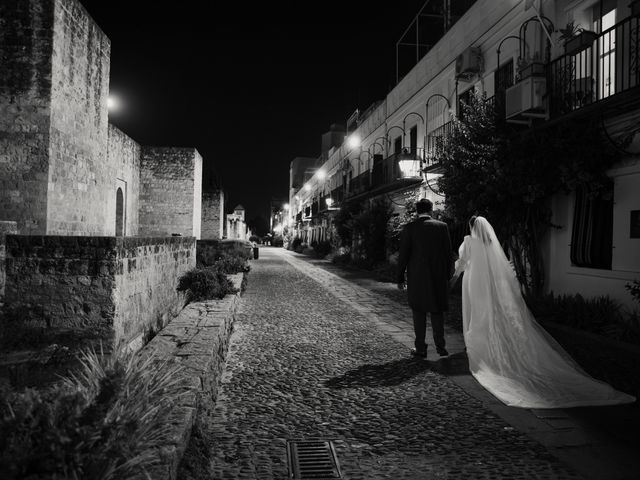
(119, 213)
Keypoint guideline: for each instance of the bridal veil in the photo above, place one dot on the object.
(510, 354)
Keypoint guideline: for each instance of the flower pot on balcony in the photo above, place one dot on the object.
(580, 42)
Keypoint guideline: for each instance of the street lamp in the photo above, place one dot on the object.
(353, 141)
(330, 206)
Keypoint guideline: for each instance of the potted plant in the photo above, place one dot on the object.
(576, 39)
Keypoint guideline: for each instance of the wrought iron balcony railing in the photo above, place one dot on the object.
(337, 194)
(609, 66)
(359, 184)
(436, 140)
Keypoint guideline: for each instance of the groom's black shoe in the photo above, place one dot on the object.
(418, 353)
(443, 352)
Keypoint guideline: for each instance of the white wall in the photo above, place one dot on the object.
(564, 278)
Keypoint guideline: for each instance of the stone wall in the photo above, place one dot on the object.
(80, 178)
(6, 228)
(145, 296)
(124, 158)
(54, 82)
(100, 288)
(212, 215)
(61, 164)
(61, 284)
(26, 46)
(170, 191)
(198, 339)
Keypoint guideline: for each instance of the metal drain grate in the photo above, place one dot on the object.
(312, 460)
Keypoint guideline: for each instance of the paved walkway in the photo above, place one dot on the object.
(315, 355)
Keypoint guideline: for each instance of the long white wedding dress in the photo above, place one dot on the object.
(509, 353)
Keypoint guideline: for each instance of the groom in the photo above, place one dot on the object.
(426, 255)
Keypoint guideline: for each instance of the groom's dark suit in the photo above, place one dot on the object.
(426, 255)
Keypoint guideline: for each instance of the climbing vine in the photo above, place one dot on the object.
(509, 176)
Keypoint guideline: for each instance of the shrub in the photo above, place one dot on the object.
(295, 243)
(205, 284)
(231, 263)
(108, 421)
(575, 310)
(600, 315)
(342, 257)
(322, 248)
(236, 251)
(634, 289)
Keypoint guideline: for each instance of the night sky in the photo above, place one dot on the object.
(250, 86)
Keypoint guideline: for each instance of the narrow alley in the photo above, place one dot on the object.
(315, 356)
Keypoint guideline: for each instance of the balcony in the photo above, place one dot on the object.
(359, 185)
(397, 171)
(337, 195)
(435, 142)
(607, 70)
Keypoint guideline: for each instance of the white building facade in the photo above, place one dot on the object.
(510, 50)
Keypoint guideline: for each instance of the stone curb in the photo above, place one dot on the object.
(197, 340)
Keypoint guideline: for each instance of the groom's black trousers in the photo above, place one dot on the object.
(420, 329)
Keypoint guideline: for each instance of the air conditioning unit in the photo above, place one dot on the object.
(469, 62)
(525, 100)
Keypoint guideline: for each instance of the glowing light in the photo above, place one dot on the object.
(286, 206)
(409, 168)
(353, 141)
(321, 174)
(329, 202)
(112, 103)
(307, 187)
(278, 229)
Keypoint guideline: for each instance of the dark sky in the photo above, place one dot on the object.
(251, 86)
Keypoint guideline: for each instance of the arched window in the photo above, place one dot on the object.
(119, 213)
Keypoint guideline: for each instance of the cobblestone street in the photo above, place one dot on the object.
(314, 355)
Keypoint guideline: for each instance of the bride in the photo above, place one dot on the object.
(510, 354)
